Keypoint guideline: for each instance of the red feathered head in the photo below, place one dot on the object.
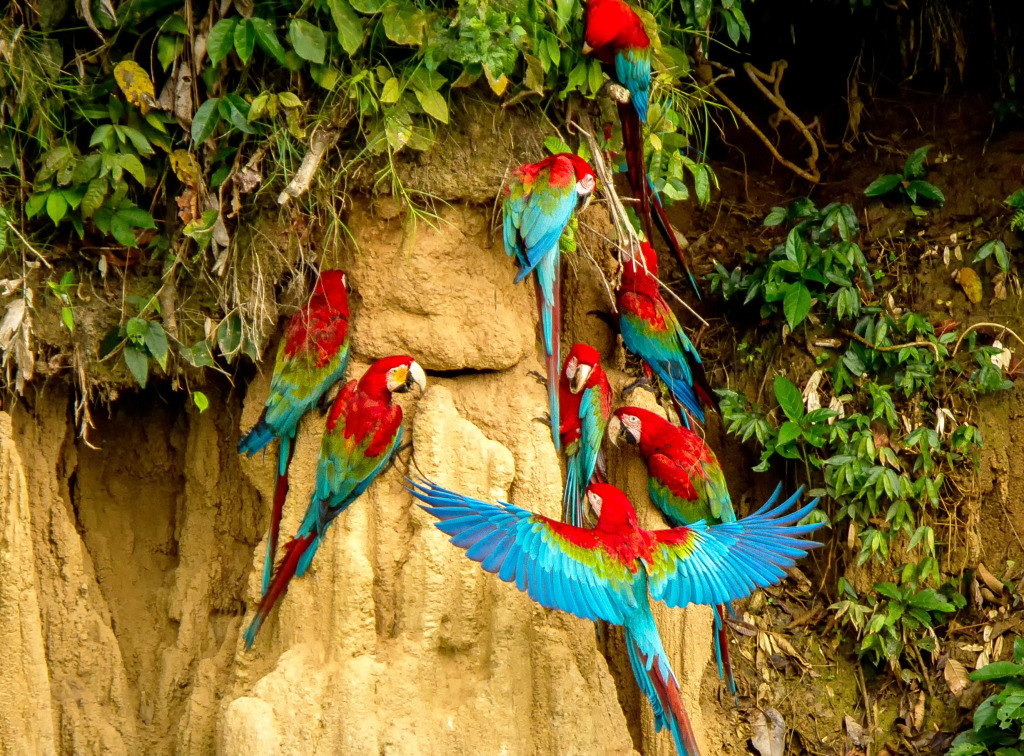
(393, 375)
(614, 511)
(581, 363)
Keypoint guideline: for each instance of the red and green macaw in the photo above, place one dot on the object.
(362, 436)
(616, 36)
(686, 484)
(586, 404)
(610, 572)
(541, 202)
(651, 331)
(311, 359)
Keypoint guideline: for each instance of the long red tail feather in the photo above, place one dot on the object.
(293, 552)
(723, 645)
(668, 695)
(277, 508)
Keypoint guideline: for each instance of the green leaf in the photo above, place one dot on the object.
(998, 670)
(236, 111)
(309, 41)
(404, 24)
(368, 6)
(789, 432)
(789, 398)
(245, 40)
(796, 304)
(433, 104)
(221, 39)
(199, 399)
(266, 38)
(391, 91)
(595, 78)
(121, 230)
(924, 189)
(138, 363)
(136, 217)
(156, 343)
(994, 246)
(205, 120)
(56, 206)
(350, 28)
(882, 186)
(229, 335)
(914, 166)
(67, 316)
(930, 600)
(1018, 649)
(133, 165)
(198, 355)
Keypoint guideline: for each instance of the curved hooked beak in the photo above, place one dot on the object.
(587, 49)
(595, 503)
(580, 378)
(416, 377)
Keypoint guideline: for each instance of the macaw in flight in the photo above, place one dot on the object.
(361, 438)
(611, 571)
(686, 484)
(311, 359)
(541, 203)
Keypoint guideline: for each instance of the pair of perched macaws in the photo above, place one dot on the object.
(361, 438)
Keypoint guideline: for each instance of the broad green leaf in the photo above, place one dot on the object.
(133, 165)
(789, 398)
(556, 146)
(595, 79)
(404, 23)
(121, 230)
(138, 140)
(433, 104)
(266, 38)
(245, 39)
(199, 399)
(67, 316)
(789, 432)
(309, 41)
(56, 206)
(156, 342)
(205, 120)
(391, 91)
(1018, 649)
(369, 6)
(198, 355)
(930, 600)
(998, 670)
(914, 167)
(221, 39)
(882, 186)
(138, 363)
(796, 304)
(350, 28)
(229, 335)
(994, 246)
(236, 111)
(776, 217)
(926, 190)
(289, 100)
(137, 217)
(563, 13)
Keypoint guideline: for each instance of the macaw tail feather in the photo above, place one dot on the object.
(285, 450)
(293, 552)
(550, 321)
(572, 500)
(659, 684)
(665, 229)
(722, 653)
(257, 438)
(636, 171)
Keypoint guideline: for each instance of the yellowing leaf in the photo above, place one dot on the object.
(971, 284)
(136, 84)
(185, 167)
(499, 85)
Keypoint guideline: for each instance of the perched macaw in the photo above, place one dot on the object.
(363, 432)
(651, 331)
(312, 358)
(616, 36)
(540, 208)
(586, 405)
(686, 484)
(606, 573)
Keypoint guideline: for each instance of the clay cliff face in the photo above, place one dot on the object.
(126, 571)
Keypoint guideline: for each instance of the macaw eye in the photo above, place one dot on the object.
(586, 185)
(570, 367)
(595, 502)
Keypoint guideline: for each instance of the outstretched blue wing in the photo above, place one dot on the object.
(558, 565)
(701, 564)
